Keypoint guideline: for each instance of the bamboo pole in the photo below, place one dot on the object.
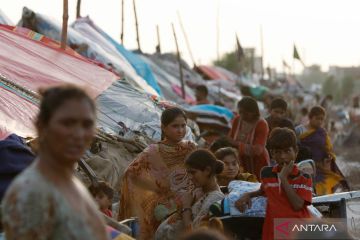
(78, 7)
(64, 25)
(179, 60)
(262, 51)
(122, 22)
(186, 39)
(158, 47)
(137, 27)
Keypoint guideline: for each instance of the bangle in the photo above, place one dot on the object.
(185, 209)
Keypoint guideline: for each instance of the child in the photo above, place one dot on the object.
(278, 110)
(288, 190)
(232, 169)
(316, 138)
(202, 168)
(201, 94)
(103, 195)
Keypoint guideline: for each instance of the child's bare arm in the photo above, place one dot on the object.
(245, 200)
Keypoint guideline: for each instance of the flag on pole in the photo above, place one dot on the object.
(285, 64)
(296, 55)
(239, 50)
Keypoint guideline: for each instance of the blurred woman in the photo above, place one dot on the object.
(248, 135)
(47, 201)
(154, 181)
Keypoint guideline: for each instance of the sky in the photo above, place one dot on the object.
(326, 32)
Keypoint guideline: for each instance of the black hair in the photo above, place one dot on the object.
(203, 89)
(282, 138)
(102, 187)
(202, 158)
(304, 153)
(52, 98)
(284, 123)
(220, 143)
(317, 111)
(278, 103)
(169, 115)
(249, 105)
(304, 111)
(223, 152)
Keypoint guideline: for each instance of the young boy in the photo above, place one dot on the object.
(278, 109)
(288, 190)
(103, 195)
(201, 94)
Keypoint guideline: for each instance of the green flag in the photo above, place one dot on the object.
(296, 55)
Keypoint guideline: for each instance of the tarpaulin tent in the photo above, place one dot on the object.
(4, 19)
(86, 47)
(33, 64)
(211, 73)
(82, 25)
(168, 83)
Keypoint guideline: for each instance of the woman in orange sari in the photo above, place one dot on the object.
(156, 178)
(248, 134)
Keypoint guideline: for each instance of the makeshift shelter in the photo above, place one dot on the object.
(23, 72)
(4, 19)
(86, 47)
(20, 63)
(86, 26)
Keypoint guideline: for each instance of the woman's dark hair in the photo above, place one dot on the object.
(250, 105)
(102, 187)
(281, 138)
(223, 152)
(278, 103)
(220, 143)
(317, 111)
(169, 115)
(52, 98)
(202, 158)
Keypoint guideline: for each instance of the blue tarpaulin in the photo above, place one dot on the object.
(140, 66)
(213, 109)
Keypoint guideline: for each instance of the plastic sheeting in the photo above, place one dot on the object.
(168, 82)
(4, 19)
(33, 64)
(140, 66)
(86, 47)
(258, 204)
(16, 114)
(121, 106)
(208, 108)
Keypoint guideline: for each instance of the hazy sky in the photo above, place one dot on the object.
(326, 32)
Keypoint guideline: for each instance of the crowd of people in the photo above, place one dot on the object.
(171, 185)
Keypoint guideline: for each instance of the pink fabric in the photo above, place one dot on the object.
(33, 64)
(212, 73)
(16, 115)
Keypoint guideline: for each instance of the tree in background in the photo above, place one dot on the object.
(231, 62)
(347, 87)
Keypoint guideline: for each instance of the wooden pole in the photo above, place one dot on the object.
(78, 7)
(179, 60)
(262, 51)
(65, 24)
(122, 22)
(218, 31)
(137, 27)
(158, 47)
(186, 39)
